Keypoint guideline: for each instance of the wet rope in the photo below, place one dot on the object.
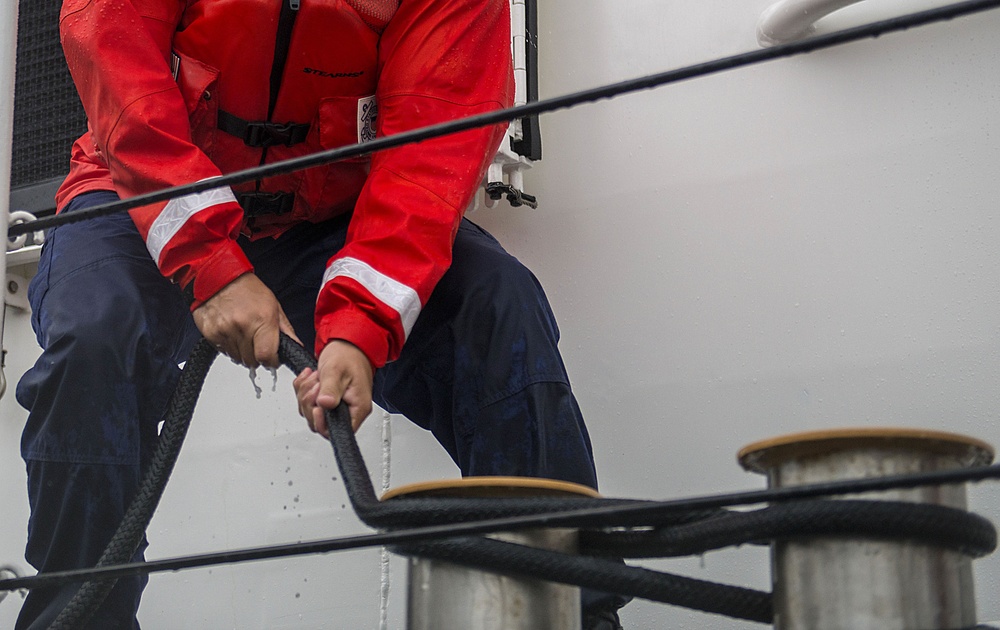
(673, 507)
(126, 540)
(968, 533)
(659, 534)
(932, 525)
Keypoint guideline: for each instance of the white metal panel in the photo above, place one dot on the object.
(8, 33)
(10, 494)
(801, 245)
(806, 244)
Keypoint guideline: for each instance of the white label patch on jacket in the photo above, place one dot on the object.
(367, 115)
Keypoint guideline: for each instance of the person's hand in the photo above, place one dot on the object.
(242, 321)
(344, 372)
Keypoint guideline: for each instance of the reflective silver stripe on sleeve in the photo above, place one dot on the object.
(394, 294)
(176, 213)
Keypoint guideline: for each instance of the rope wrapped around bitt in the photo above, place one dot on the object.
(628, 536)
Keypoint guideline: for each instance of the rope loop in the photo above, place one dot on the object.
(631, 534)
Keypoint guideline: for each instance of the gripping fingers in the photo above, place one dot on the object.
(243, 320)
(344, 373)
(356, 395)
(306, 386)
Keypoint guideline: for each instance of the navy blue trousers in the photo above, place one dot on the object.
(480, 370)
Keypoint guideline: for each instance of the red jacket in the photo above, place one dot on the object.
(153, 75)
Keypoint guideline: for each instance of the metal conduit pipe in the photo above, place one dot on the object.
(790, 20)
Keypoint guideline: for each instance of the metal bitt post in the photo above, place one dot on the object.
(866, 584)
(444, 596)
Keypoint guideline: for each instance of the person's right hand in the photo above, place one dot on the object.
(242, 321)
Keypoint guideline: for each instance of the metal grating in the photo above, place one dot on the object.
(48, 116)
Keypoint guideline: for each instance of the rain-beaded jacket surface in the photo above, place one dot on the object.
(178, 91)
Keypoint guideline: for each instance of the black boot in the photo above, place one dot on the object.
(603, 620)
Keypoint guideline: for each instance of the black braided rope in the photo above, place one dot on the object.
(126, 540)
(598, 574)
(932, 525)
(961, 528)
(967, 532)
(673, 533)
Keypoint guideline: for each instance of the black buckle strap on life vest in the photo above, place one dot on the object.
(257, 204)
(259, 134)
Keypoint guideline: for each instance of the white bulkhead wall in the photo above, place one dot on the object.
(805, 244)
(8, 33)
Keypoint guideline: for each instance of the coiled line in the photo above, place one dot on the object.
(675, 532)
(611, 527)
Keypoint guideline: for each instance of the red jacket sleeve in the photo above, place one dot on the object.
(438, 61)
(118, 53)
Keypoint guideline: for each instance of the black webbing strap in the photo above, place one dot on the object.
(260, 134)
(263, 134)
(256, 204)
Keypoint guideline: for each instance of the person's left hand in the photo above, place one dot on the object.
(344, 373)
